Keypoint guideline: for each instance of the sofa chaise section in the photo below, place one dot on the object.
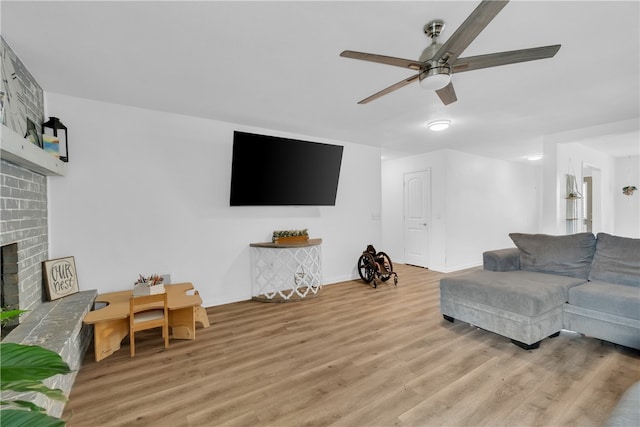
(521, 291)
(525, 306)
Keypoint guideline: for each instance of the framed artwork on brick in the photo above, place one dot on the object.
(22, 96)
(60, 277)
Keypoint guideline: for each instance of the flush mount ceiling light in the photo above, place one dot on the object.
(438, 125)
(534, 157)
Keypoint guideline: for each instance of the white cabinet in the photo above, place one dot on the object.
(286, 272)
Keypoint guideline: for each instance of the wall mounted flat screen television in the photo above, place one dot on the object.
(273, 171)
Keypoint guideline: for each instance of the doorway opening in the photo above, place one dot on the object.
(591, 202)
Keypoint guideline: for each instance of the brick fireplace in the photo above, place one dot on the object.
(24, 235)
(24, 245)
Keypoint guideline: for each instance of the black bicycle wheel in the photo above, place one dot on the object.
(387, 266)
(366, 266)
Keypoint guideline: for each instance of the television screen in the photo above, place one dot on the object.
(273, 171)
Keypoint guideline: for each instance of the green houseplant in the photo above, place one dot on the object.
(280, 235)
(22, 369)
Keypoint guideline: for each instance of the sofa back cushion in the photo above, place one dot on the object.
(617, 260)
(563, 255)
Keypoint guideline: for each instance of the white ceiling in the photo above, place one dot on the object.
(276, 65)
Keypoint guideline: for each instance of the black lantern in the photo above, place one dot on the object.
(55, 127)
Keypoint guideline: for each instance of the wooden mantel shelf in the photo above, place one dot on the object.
(20, 151)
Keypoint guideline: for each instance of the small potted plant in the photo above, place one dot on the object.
(628, 190)
(290, 236)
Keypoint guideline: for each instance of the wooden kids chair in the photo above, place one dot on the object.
(147, 312)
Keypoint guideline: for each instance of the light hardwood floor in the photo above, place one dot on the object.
(354, 356)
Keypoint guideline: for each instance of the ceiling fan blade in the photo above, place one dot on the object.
(469, 30)
(382, 59)
(390, 89)
(447, 94)
(503, 58)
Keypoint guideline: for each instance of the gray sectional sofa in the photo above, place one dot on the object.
(547, 283)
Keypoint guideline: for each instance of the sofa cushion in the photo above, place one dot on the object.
(523, 292)
(607, 297)
(501, 259)
(564, 255)
(617, 260)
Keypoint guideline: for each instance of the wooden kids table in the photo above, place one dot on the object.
(111, 323)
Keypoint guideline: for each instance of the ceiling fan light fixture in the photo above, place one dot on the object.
(437, 61)
(438, 125)
(435, 78)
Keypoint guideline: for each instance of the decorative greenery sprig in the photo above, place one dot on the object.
(628, 190)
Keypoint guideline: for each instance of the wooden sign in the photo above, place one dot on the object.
(60, 277)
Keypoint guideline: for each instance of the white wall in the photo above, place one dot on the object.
(574, 158)
(475, 203)
(486, 200)
(148, 192)
(579, 157)
(571, 152)
(627, 208)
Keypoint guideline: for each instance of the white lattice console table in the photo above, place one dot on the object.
(286, 272)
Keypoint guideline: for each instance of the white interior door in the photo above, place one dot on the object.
(417, 195)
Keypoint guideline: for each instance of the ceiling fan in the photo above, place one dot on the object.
(439, 61)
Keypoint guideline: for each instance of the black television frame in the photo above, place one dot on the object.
(275, 171)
